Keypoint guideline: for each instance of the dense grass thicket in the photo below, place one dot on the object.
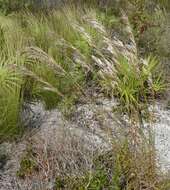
(55, 56)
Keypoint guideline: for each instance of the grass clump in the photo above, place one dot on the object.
(10, 98)
(58, 54)
(33, 69)
(135, 87)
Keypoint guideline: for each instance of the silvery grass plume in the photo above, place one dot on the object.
(24, 72)
(106, 57)
(34, 54)
(129, 32)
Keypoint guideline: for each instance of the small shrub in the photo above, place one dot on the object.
(27, 165)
